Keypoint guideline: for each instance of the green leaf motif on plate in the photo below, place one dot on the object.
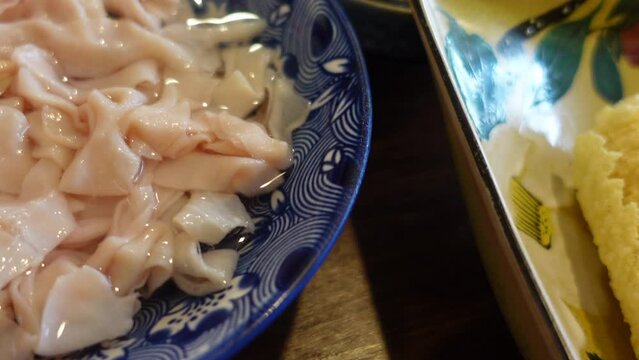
(474, 66)
(605, 73)
(559, 55)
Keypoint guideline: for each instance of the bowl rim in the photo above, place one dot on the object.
(387, 6)
(284, 299)
(472, 140)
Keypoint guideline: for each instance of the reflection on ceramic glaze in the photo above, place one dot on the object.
(475, 70)
(562, 47)
(483, 76)
(559, 54)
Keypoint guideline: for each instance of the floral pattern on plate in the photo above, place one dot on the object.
(531, 77)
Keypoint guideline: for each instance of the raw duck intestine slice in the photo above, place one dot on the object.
(148, 13)
(42, 67)
(15, 342)
(106, 166)
(249, 139)
(93, 48)
(42, 179)
(134, 262)
(29, 231)
(44, 147)
(217, 173)
(15, 152)
(82, 309)
(143, 74)
(208, 217)
(201, 273)
(166, 125)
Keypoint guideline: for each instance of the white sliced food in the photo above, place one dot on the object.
(82, 310)
(208, 217)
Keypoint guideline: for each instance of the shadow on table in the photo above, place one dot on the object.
(270, 343)
(428, 284)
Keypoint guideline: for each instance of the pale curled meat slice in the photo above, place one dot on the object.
(170, 201)
(7, 73)
(29, 292)
(208, 217)
(59, 11)
(43, 67)
(133, 263)
(148, 13)
(42, 179)
(81, 310)
(165, 125)
(60, 128)
(131, 218)
(159, 265)
(13, 102)
(43, 146)
(94, 218)
(249, 139)
(15, 343)
(286, 110)
(217, 173)
(133, 214)
(27, 86)
(162, 9)
(106, 166)
(88, 230)
(195, 37)
(15, 152)
(29, 231)
(252, 62)
(103, 254)
(236, 95)
(22, 291)
(194, 87)
(7, 5)
(40, 82)
(94, 48)
(202, 273)
(140, 74)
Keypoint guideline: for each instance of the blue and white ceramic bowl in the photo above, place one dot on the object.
(299, 222)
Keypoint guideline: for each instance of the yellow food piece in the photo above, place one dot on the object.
(606, 174)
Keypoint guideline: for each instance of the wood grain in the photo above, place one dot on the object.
(404, 281)
(334, 318)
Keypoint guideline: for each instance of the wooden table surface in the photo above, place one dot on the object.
(404, 281)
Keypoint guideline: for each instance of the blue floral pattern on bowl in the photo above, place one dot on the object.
(298, 223)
